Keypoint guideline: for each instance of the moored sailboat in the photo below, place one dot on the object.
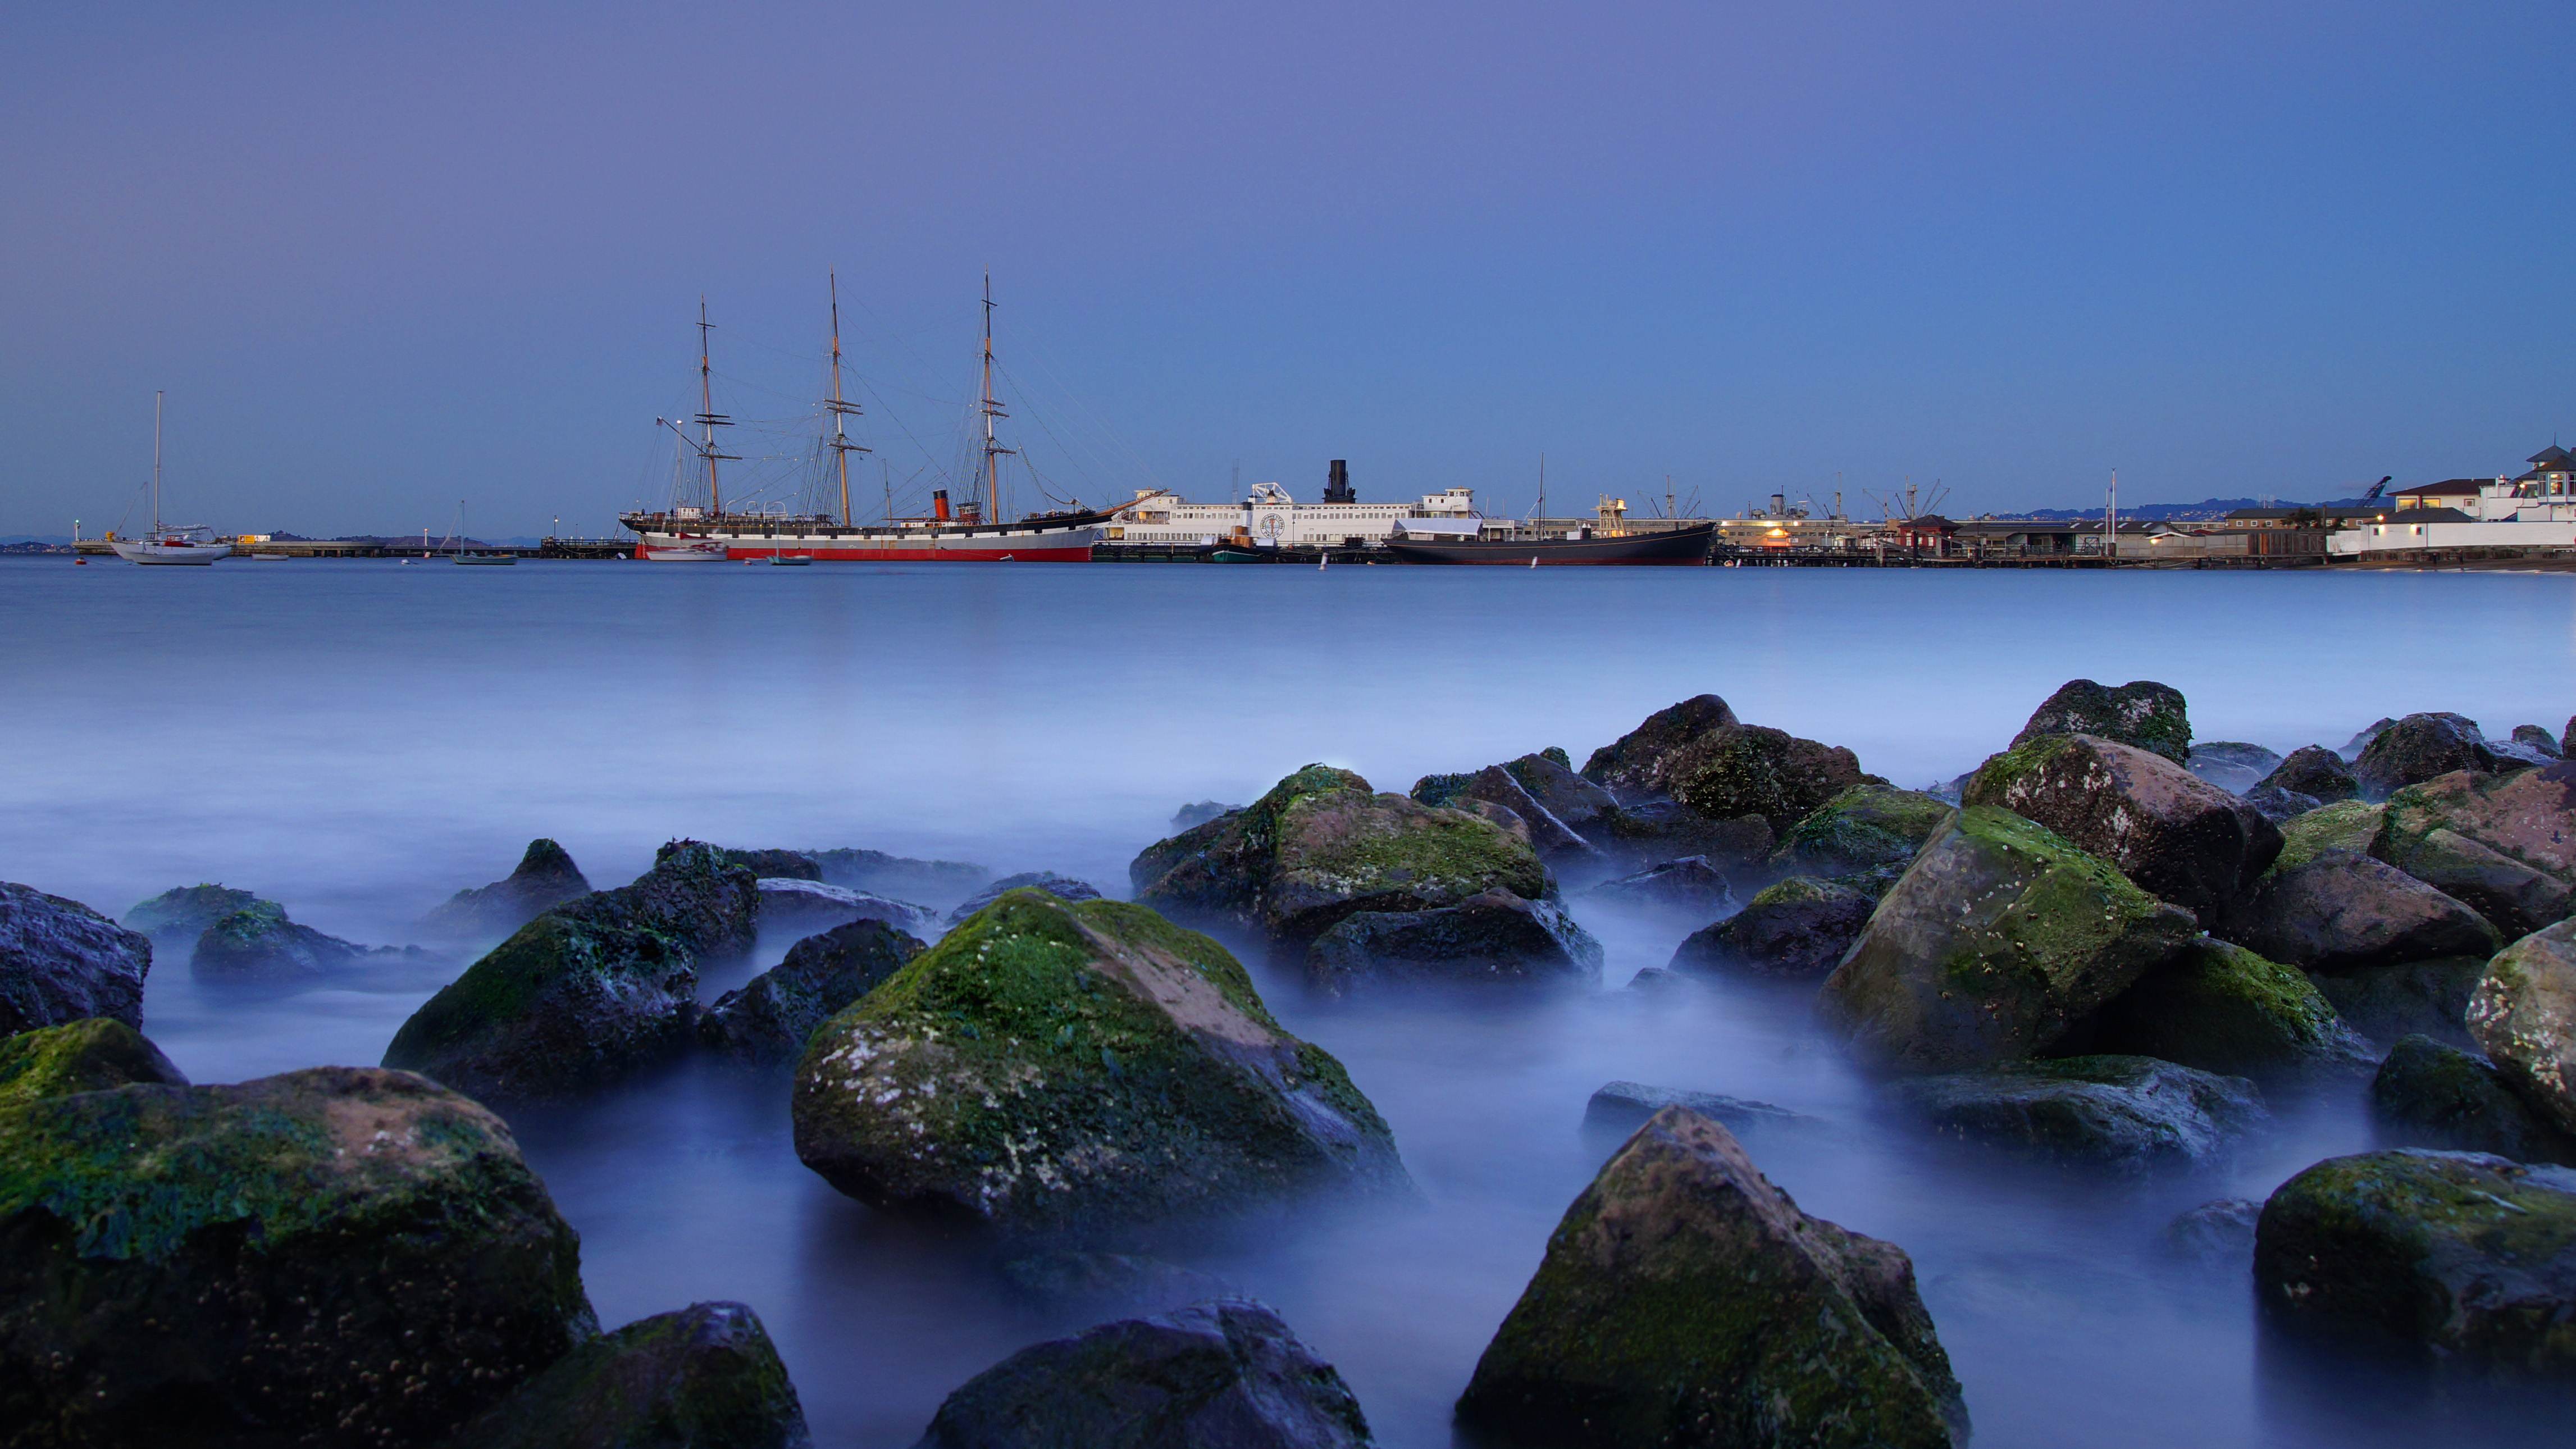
(168, 543)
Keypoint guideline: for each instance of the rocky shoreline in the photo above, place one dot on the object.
(2107, 949)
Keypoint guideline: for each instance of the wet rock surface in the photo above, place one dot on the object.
(2504, 844)
(2216, 1234)
(1494, 785)
(1798, 927)
(1645, 832)
(339, 1256)
(808, 906)
(769, 864)
(1753, 770)
(2232, 765)
(1321, 846)
(1568, 796)
(2430, 1095)
(60, 961)
(2339, 911)
(706, 1377)
(182, 912)
(2317, 772)
(2131, 1113)
(2342, 825)
(1495, 937)
(2384, 1003)
(1624, 1107)
(259, 944)
(767, 1020)
(2173, 834)
(1865, 836)
(95, 1055)
(1052, 1067)
(1689, 886)
(2277, 804)
(2000, 938)
(2524, 1014)
(900, 877)
(2468, 1255)
(1634, 764)
(1686, 1300)
(2419, 748)
(588, 992)
(2142, 714)
(1226, 1374)
(2223, 1009)
(1062, 887)
(545, 877)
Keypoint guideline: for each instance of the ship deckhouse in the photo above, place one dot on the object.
(1271, 517)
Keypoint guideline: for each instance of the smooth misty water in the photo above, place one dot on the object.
(360, 739)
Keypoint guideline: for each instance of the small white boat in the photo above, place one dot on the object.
(168, 543)
(789, 560)
(268, 558)
(487, 558)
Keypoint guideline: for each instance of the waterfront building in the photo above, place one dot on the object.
(2535, 510)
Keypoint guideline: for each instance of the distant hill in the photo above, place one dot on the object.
(2207, 508)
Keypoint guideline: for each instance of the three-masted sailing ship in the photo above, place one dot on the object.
(972, 530)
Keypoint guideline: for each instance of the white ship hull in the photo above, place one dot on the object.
(173, 551)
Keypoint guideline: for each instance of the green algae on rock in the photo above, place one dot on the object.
(2504, 844)
(2343, 825)
(1633, 765)
(2524, 1014)
(1863, 837)
(1684, 1300)
(338, 1256)
(2224, 1009)
(183, 911)
(1999, 939)
(2140, 713)
(2441, 1096)
(706, 1377)
(1739, 770)
(258, 943)
(1320, 845)
(2469, 1255)
(588, 991)
(94, 1055)
(1052, 1067)
(1799, 927)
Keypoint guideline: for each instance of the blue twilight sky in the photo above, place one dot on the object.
(386, 258)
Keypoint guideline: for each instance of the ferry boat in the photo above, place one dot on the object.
(168, 543)
(973, 531)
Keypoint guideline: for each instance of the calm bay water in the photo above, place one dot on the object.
(360, 739)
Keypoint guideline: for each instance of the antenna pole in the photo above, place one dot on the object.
(840, 407)
(2111, 519)
(156, 462)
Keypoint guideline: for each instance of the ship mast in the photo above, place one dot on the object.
(156, 463)
(992, 450)
(841, 445)
(708, 418)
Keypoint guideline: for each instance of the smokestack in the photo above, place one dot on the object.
(1337, 484)
(939, 504)
(1779, 504)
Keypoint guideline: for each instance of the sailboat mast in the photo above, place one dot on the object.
(992, 449)
(842, 447)
(156, 462)
(708, 418)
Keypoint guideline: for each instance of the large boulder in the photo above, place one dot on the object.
(2216, 1234)
(259, 944)
(183, 912)
(1225, 1374)
(2339, 911)
(1689, 887)
(771, 864)
(590, 991)
(2173, 834)
(1797, 928)
(1642, 832)
(1495, 937)
(2362, 737)
(1495, 785)
(1568, 796)
(95, 1055)
(2470, 1256)
(1999, 939)
(1632, 766)
(1062, 887)
(2232, 765)
(1320, 846)
(706, 1377)
(2221, 1008)
(2126, 1112)
(767, 1019)
(2384, 1003)
(334, 1257)
(2343, 825)
(61, 961)
(2314, 771)
(899, 876)
(1684, 1300)
(807, 906)
(1740, 770)
(1864, 836)
(2277, 805)
(1051, 1066)
(2506, 845)
(2431, 1095)
(545, 877)
(2524, 1014)
(2141, 714)
(2527, 745)
(2419, 748)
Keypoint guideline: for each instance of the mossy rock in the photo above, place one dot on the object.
(1684, 1300)
(2000, 938)
(1864, 836)
(2428, 1094)
(1319, 846)
(2421, 747)
(766, 864)
(1740, 770)
(2341, 911)
(339, 1256)
(1053, 1067)
(768, 1019)
(2140, 713)
(706, 1377)
(2504, 844)
(95, 1055)
(60, 962)
(545, 876)
(1799, 927)
(2224, 1009)
(2316, 772)
(259, 944)
(183, 911)
(2343, 825)
(2385, 1003)
(1496, 939)
(2468, 1256)
(2129, 1113)
(2524, 1015)
(587, 992)
(1632, 766)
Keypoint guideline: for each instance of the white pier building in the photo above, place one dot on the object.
(1270, 518)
